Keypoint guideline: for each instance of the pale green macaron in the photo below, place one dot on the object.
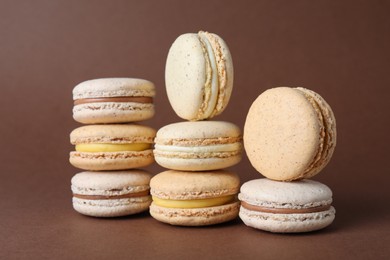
(199, 75)
(198, 146)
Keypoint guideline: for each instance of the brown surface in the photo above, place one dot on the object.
(340, 49)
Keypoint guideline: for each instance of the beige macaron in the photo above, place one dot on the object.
(112, 147)
(289, 133)
(199, 75)
(194, 199)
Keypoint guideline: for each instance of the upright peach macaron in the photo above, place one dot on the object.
(289, 133)
(194, 199)
(113, 100)
(199, 75)
(198, 146)
(112, 147)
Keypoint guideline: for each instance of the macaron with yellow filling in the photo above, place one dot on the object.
(112, 147)
(286, 207)
(198, 146)
(194, 199)
(111, 194)
(113, 100)
(199, 75)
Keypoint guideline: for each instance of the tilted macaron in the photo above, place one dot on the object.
(198, 146)
(194, 199)
(113, 100)
(286, 207)
(111, 194)
(289, 133)
(112, 147)
(199, 75)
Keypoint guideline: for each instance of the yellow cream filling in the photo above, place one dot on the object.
(188, 204)
(92, 148)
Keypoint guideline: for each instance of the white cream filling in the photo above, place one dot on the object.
(200, 149)
(214, 79)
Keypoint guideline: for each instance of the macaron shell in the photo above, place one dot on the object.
(112, 112)
(287, 223)
(197, 216)
(105, 161)
(205, 164)
(282, 134)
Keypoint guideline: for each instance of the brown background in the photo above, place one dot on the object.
(340, 49)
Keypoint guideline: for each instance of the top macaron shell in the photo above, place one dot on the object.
(199, 75)
(289, 135)
(198, 146)
(113, 100)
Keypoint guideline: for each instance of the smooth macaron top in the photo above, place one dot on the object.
(110, 183)
(199, 75)
(114, 133)
(289, 134)
(181, 185)
(178, 133)
(289, 195)
(114, 87)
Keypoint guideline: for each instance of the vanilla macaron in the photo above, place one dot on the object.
(198, 146)
(111, 194)
(286, 207)
(112, 147)
(289, 133)
(194, 199)
(113, 100)
(199, 75)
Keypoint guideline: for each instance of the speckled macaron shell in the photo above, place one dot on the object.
(199, 75)
(289, 134)
(180, 185)
(198, 146)
(304, 194)
(115, 111)
(111, 194)
(112, 134)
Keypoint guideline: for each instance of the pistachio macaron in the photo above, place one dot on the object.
(111, 194)
(113, 100)
(289, 133)
(198, 146)
(199, 75)
(286, 207)
(112, 147)
(194, 199)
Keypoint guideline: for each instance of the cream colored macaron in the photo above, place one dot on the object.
(113, 100)
(112, 147)
(289, 133)
(111, 193)
(199, 75)
(198, 146)
(194, 199)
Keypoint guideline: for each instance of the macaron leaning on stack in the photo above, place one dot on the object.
(111, 147)
(289, 136)
(199, 82)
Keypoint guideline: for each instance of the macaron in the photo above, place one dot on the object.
(194, 199)
(198, 146)
(286, 207)
(112, 147)
(113, 100)
(199, 75)
(111, 194)
(289, 133)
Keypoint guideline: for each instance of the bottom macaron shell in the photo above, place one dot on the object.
(208, 164)
(287, 223)
(196, 216)
(111, 160)
(112, 207)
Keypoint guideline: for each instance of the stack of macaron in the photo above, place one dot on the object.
(196, 190)
(111, 146)
(289, 136)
